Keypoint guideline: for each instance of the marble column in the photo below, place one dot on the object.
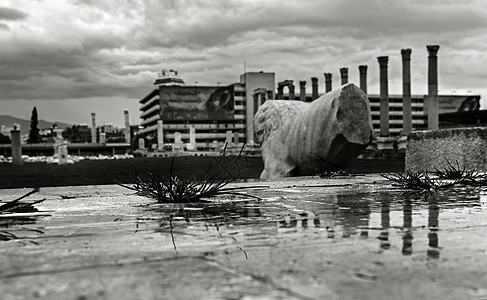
(160, 135)
(302, 91)
(93, 128)
(384, 96)
(363, 77)
(328, 80)
(280, 91)
(314, 86)
(432, 98)
(291, 91)
(406, 91)
(344, 75)
(127, 126)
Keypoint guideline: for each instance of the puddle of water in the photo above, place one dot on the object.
(400, 223)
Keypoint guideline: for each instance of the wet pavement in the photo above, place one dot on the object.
(308, 238)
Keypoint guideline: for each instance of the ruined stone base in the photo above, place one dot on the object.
(427, 150)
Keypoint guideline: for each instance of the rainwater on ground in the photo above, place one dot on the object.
(340, 238)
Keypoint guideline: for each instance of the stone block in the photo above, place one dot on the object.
(301, 138)
(427, 150)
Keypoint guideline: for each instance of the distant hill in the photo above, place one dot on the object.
(25, 124)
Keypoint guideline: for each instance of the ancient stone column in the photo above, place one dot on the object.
(16, 147)
(302, 91)
(363, 77)
(314, 86)
(384, 96)
(328, 79)
(93, 128)
(432, 98)
(255, 97)
(127, 126)
(263, 96)
(406, 91)
(269, 95)
(280, 91)
(291, 91)
(160, 135)
(344, 75)
(192, 138)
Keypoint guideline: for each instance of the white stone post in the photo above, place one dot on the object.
(160, 136)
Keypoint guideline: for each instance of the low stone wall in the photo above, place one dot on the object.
(427, 150)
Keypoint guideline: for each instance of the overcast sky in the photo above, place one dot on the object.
(73, 57)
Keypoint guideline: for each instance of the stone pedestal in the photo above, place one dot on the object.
(228, 139)
(103, 138)
(178, 143)
(402, 142)
(385, 143)
(301, 138)
(141, 143)
(192, 138)
(63, 154)
(16, 147)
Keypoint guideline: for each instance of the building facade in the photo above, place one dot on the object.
(202, 117)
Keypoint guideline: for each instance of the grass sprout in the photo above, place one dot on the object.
(173, 189)
(19, 206)
(417, 180)
(462, 175)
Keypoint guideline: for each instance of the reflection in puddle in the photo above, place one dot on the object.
(409, 223)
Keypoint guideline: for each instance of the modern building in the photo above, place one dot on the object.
(184, 115)
(203, 117)
(447, 104)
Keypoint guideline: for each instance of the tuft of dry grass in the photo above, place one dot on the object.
(18, 206)
(173, 189)
(461, 175)
(417, 180)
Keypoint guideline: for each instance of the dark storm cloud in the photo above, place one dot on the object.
(111, 48)
(11, 14)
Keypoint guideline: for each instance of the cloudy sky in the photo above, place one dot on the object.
(73, 57)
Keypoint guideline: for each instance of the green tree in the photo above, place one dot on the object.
(4, 139)
(34, 136)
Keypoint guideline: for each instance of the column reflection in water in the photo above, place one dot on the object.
(433, 251)
(385, 221)
(407, 239)
(353, 213)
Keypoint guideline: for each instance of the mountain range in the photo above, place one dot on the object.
(9, 121)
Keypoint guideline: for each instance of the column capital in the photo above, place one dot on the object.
(383, 61)
(432, 50)
(344, 71)
(314, 80)
(362, 69)
(328, 76)
(302, 83)
(406, 54)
